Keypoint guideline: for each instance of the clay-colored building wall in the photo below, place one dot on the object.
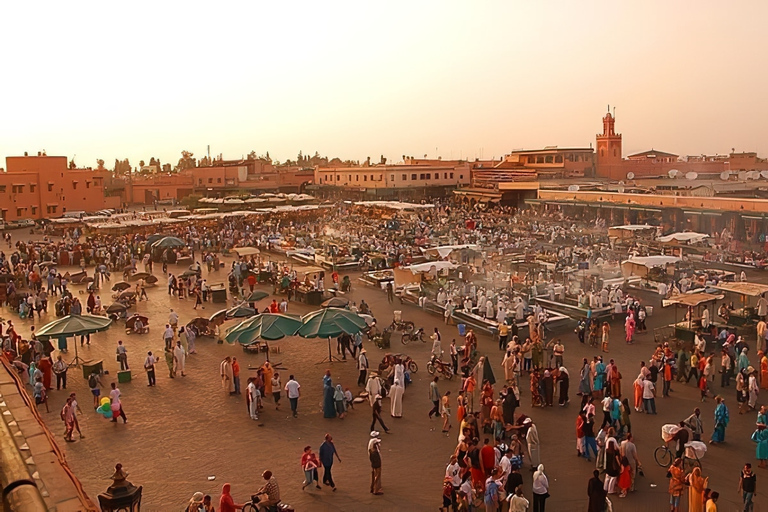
(36, 187)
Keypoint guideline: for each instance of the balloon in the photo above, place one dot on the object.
(104, 400)
(104, 408)
(108, 414)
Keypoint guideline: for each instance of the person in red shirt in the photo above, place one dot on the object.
(226, 502)
(236, 375)
(274, 307)
(488, 457)
(251, 281)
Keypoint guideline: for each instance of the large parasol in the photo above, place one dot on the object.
(74, 325)
(267, 326)
(329, 323)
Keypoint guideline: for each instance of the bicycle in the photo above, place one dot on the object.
(664, 457)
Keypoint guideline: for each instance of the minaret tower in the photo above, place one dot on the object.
(609, 149)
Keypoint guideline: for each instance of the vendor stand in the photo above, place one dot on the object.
(691, 321)
(748, 294)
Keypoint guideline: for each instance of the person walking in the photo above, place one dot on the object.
(122, 355)
(596, 493)
(179, 359)
(695, 423)
(276, 389)
(60, 370)
(374, 455)
(376, 414)
(168, 337)
(628, 450)
(293, 390)
(696, 487)
(540, 489)
(253, 396)
(309, 464)
(117, 404)
(721, 421)
(149, 367)
(327, 451)
(748, 487)
(676, 477)
(534, 445)
(445, 411)
(362, 366)
(434, 396)
(236, 375)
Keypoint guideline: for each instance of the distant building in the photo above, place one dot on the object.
(396, 181)
(40, 187)
(222, 178)
(651, 163)
(654, 156)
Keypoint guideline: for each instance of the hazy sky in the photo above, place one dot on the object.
(355, 79)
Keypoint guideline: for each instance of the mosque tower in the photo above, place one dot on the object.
(609, 160)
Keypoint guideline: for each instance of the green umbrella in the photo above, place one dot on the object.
(256, 296)
(73, 325)
(267, 326)
(330, 322)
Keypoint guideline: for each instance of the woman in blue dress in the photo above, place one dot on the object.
(329, 405)
(721, 421)
(599, 375)
(760, 436)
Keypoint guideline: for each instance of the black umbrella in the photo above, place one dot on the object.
(116, 308)
(335, 302)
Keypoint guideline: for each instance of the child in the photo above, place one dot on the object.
(625, 477)
(703, 386)
(447, 493)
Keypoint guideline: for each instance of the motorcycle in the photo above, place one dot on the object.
(417, 335)
(436, 364)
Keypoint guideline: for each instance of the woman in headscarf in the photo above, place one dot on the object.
(339, 401)
(396, 396)
(33, 373)
(540, 489)
(697, 484)
(584, 385)
(760, 436)
(564, 379)
(226, 502)
(196, 503)
(268, 372)
(599, 375)
(742, 361)
(629, 327)
(329, 405)
(549, 388)
(612, 466)
(721, 421)
(45, 365)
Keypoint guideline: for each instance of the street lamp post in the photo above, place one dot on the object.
(122, 495)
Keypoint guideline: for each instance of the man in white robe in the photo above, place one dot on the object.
(396, 395)
(532, 438)
(179, 359)
(373, 388)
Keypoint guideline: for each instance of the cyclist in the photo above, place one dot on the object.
(272, 491)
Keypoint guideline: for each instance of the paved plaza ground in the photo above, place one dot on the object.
(186, 430)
